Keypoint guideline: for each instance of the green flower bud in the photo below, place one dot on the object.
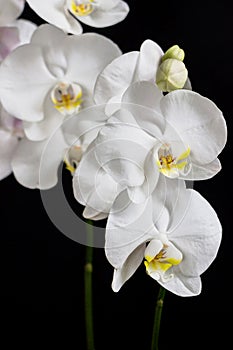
(174, 52)
(171, 75)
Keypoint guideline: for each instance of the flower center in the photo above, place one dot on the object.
(166, 161)
(72, 158)
(67, 98)
(157, 265)
(81, 7)
(172, 166)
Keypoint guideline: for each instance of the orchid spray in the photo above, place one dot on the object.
(129, 128)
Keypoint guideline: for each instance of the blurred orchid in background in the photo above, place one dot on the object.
(13, 33)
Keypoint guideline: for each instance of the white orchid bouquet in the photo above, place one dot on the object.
(128, 127)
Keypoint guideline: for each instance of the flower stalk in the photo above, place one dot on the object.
(157, 318)
(88, 268)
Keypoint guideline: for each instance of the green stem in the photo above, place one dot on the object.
(88, 287)
(157, 319)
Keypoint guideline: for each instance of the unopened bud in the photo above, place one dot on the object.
(174, 52)
(171, 75)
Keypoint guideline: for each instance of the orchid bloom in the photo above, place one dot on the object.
(66, 14)
(129, 68)
(46, 80)
(151, 137)
(10, 10)
(177, 245)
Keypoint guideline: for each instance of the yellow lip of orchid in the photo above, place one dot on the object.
(160, 263)
(67, 98)
(82, 8)
(169, 165)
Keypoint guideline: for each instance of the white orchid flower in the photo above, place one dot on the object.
(177, 245)
(46, 80)
(151, 137)
(10, 10)
(66, 14)
(11, 132)
(194, 131)
(127, 69)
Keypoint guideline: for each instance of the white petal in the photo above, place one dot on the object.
(54, 36)
(54, 12)
(121, 149)
(151, 173)
(26, 29)
(105, 16)
(113, 105)
(129, 225)
(198, 122)
(52, 156)
(87, 55)
(122, 168)
(197, 234)
(170, 199)
(108, 4)
(8, 146)
(26, 163)
(202, 172)
(168, 202)
(25, 82)
(53, 48)
(184, 286)
(122, 274)
(144, 94)
(39, 131)
(83, 127)
(10, 10)
(92, 187)
(84, 179)
(116, 77)
(142, 99)
(35, 164)
(92, 214)
(102, 197)
(149, 60)
(9, 41)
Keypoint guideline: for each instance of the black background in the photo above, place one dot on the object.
(41, 270)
